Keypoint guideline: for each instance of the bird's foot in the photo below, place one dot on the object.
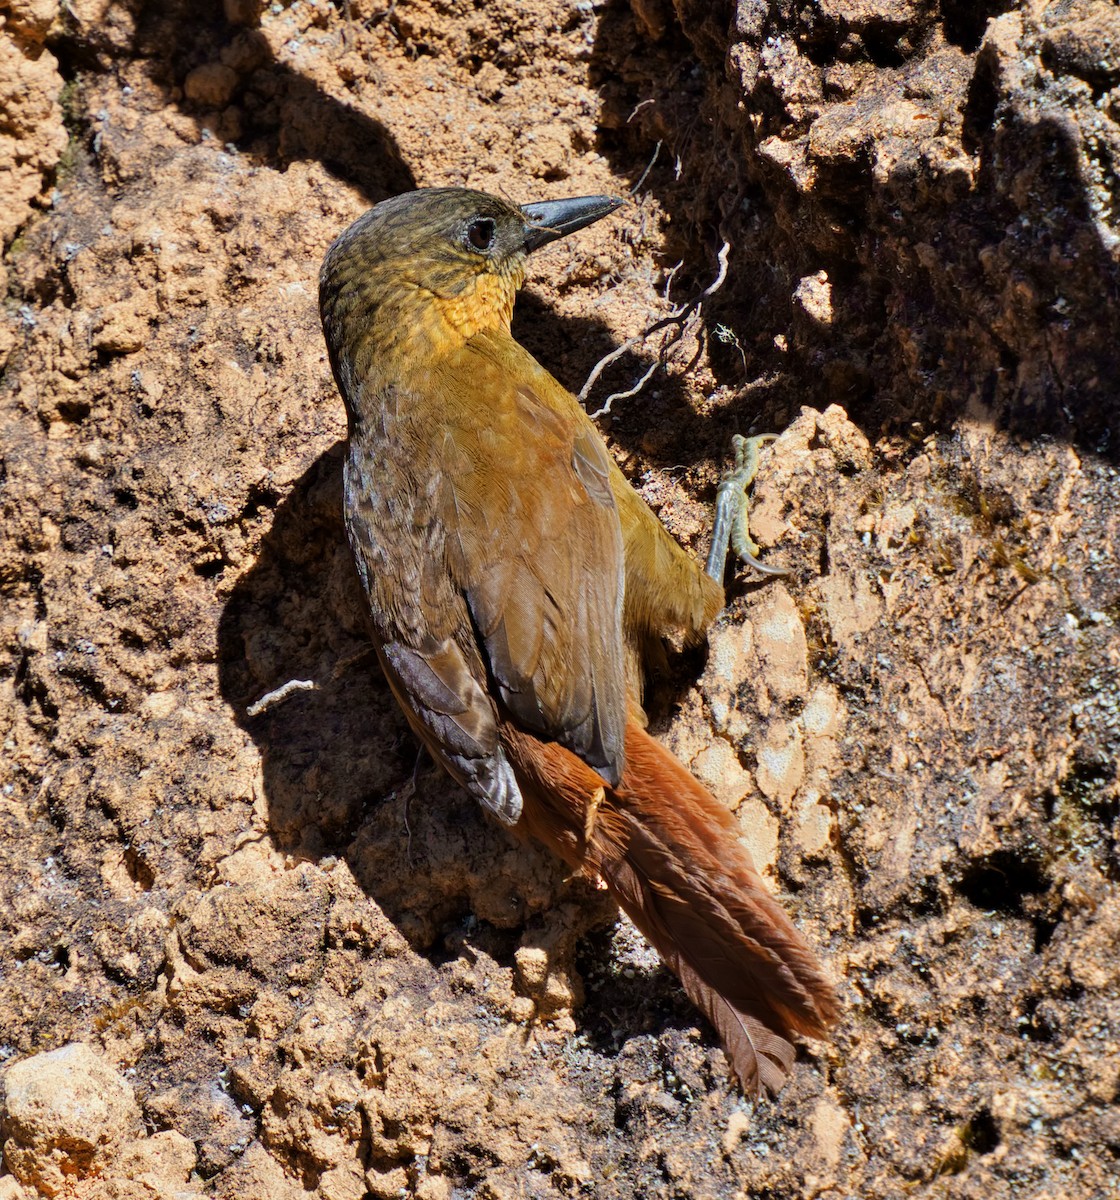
(730, 528)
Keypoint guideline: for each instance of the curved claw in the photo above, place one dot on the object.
(761, 567)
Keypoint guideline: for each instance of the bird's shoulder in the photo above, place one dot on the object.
(514, 439)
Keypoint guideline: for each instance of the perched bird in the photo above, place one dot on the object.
(514, 577)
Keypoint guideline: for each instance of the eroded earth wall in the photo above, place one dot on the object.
(247, 955)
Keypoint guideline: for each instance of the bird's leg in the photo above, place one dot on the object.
(730, 526)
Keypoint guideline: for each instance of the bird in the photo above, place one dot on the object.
(515, 581)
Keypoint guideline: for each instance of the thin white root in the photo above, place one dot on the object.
(679, 318)
(606, 405)
(279, 694)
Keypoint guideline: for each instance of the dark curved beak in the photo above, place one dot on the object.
(551, 219)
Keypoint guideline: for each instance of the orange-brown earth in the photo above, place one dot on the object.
(241, 955)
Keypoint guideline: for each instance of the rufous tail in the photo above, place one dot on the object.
(670, 854)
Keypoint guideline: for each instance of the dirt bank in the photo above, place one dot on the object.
(288, 974)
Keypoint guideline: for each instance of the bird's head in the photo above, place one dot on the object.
(429, 269)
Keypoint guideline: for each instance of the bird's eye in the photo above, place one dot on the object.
(480, 233)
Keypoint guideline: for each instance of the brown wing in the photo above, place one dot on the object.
(534, 542)
(666, 589)
(454, 717)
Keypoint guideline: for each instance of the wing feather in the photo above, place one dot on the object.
(535, 545)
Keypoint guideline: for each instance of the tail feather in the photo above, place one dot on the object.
(760, 1058)
(745, 948)
(670, 854)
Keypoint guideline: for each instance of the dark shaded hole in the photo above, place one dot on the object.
(999, 882)
(883, 45)
(117, 975)
(210, 569)
(824, 43)
(980, 1134)
(74, 410)
(259, 498)
(469, 1163)
(980, 107)
(965, 21)
(1034, 1023)
(138, 870)
(1043, 932)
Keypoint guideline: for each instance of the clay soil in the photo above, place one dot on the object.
(290, 969)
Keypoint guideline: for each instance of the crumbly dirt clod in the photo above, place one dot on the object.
(302, 965)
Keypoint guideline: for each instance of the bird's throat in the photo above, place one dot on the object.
(485, 305)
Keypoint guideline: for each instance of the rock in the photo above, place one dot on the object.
(31, 19)
(212, 84)
(65, 1114)
(161, 1164)
(32, 135)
